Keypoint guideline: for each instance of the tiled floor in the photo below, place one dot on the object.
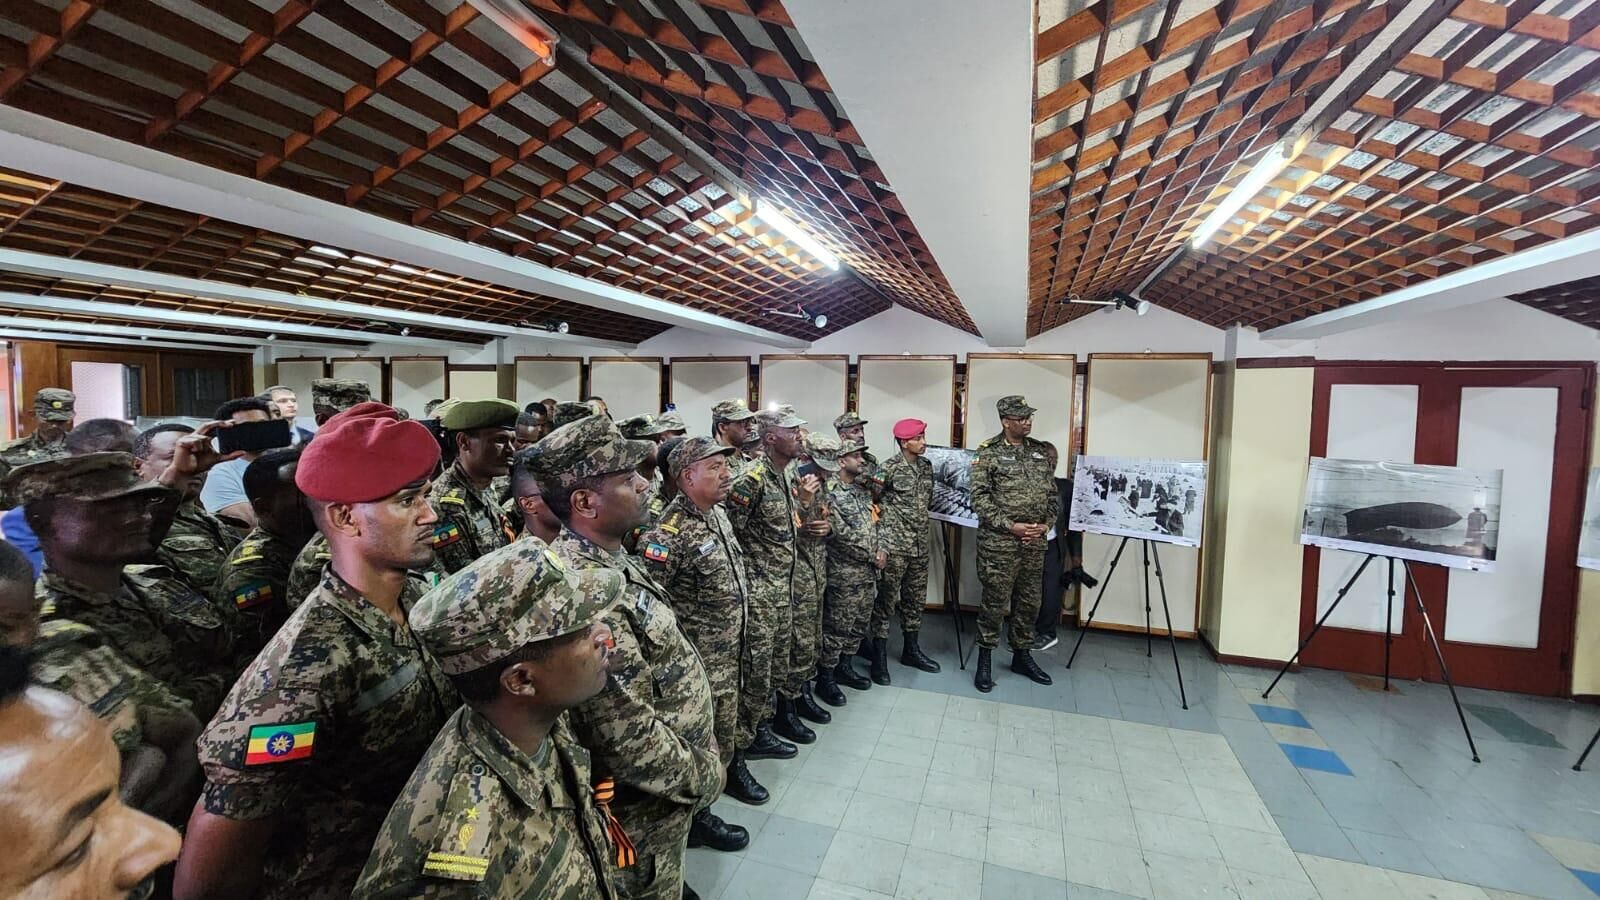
(1101, 786)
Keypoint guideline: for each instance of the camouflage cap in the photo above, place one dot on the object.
(569, 411)
(779, 417)
(339, 393)
(466, 415)
(690, 451)
(505, 600)
(92, 476)
(587, 448)
(849, 420)
(848, 447)
(670, 421)
(1013, 406)
(732, 410)
(54, 404)
(639, 427)
(824, 451)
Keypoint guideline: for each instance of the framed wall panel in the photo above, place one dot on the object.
(361, 368)
(1155, 405)
(539, 377)
(416, 380)
(695, 384)
(817, 386)
(630, 385)
(297, 374)
(1045, 379)
(472, 382)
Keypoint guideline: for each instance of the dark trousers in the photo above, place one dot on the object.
(1050, 603)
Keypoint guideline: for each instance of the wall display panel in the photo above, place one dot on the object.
(297, 374)
(1046, 380)
(817, 386)
(1151, 405)
(414, 381)
(631, 386)
(473, 382)
(361, 369)
(539, 377)
(698, 383)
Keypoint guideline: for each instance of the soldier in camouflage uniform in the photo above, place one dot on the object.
(53, 412)
(305, 573)
(851, 428)
(255, 578)
(811, 579)
(855, 557)
(321, 732)
(906, 488)
(731, 424)
(569, 411)
(471, 520)
(331, 396)
(503, 804)
(661, 493)
(1014, 495)
(198, 543)
(693, 554)
(645, 428)
(95, 519)
(651, 729)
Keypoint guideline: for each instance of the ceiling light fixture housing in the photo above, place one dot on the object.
(818, 319)
(1268, 167)
(1119, 300)
(530, 31)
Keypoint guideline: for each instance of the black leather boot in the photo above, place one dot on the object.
(767, 745)
(1022, 663)
(827, 689)
(807, 707)
(742, 785)
(688, 892)
(983, 678)
(846, 674)
(787, 725)
(864, 649)
(911, 654)
(880, 660)
(708, 830)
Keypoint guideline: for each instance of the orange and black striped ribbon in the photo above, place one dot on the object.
(604, 790)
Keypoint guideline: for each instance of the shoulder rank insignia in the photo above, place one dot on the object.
(655, 552)
(445, 534)
(554, 560)
(253, 593)
(463, 829)
(454, 496)
(280, 743)
(670, 523)
(249, 551)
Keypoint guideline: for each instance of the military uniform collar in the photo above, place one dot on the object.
(588, 548)
(57, 583)
(337, 594)
(519, 771)
(457, 477)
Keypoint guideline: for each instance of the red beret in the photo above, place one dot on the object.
(905, 429)
(365, 453)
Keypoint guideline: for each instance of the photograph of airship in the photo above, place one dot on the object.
(1438, 514)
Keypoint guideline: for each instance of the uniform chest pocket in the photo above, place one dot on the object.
(192, 609)
(189, 543)
(388, 708)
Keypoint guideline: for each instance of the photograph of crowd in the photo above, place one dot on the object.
(1435, 514)
(952, 485)
(1158, 499)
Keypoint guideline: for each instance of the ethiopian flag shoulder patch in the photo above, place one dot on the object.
(280, 743)
(656, 552)
(445, 534)
(253, 593)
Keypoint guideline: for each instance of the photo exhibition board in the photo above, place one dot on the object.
(630, 386)
(1046, 380)
(473, 382)
(1157, 406)
(297, 374)
(413, 381)
(539, 377)
(696, 385)
(1589, 535)
(814, 385)
(361, 369)
(1441, 515)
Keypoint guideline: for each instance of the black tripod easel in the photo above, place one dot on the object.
(1150, 552)
(1388, 638)
(1578, 766)
(952, 579)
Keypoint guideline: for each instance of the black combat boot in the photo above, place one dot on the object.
(807, 707)
(742, 785)
(828, 689)
(767, 745)
(864, 649)
(787, 725)
(708, 830)
(983, 679)
(1022, 663)
(880, 660)
(846, 674)
(911, 654)
(688, 892)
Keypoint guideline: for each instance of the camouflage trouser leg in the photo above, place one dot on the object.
(658, 872)
(765, 656)
(1010, 574)
(903, 588)
(845, 608)
(805, 637)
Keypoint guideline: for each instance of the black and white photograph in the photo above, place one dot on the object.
(1155, 499)
(1589, 536)
(1443, 515)
(952, 485)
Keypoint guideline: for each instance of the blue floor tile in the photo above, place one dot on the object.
(1591, 880)
(1316, 758)
(1277, 715)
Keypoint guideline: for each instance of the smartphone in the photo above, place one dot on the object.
(254, 436)
(810, 468)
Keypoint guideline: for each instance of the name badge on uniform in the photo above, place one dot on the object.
(706, 548)
(645, 604)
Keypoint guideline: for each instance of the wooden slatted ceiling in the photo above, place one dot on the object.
(1578, 300)
(419, 111)
(1480, 143)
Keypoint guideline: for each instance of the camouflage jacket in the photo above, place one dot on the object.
(481, 818)
(30, 449)
(255, 581)
(653, 512)
(305, 573)
(471, 522)
(196, 548)
(322, 731)
(1013, 483)
(158, 624)
(764, 513)
(72, 658)
(903, 505)
(853, 518)
(695, 556)
(737, 463)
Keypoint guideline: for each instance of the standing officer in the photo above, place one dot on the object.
(651, 730)
(331, 396)
(731, 422)
(906, 490)
(198, 543)
(1014, 495)
(503, 803)
(255, 577)
(810, 580)
(852, 428)
(855, 557)
(537, 519)
(321, 732)
(692, 552)
(53, 411)
(471, 521)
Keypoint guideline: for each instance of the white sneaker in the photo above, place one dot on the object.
(1045, 643)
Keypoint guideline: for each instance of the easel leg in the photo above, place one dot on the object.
(1318, 627)
(1144, 547)
(1388, 621)
(1084, 628)
(1578, 766)
(1165, 610)
(952, 584)
(1439, 654)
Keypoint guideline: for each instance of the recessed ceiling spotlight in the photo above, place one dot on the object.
(405, 332)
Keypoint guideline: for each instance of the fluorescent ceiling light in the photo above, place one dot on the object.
(1276, 159)
(329, 251)
(529, 30)
(770, 215)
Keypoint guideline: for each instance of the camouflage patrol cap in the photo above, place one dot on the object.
(587, 448)
(670, 421)
(732, 410)
(54, 404)
(92, 476)
(1013, 406)
(824, 451)
(848, 447)
(569, 411)
(690, 451)
(505, 600)
(849, 420)
(466, 415)
(779, 417)
(639, 427)
(339, 393)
